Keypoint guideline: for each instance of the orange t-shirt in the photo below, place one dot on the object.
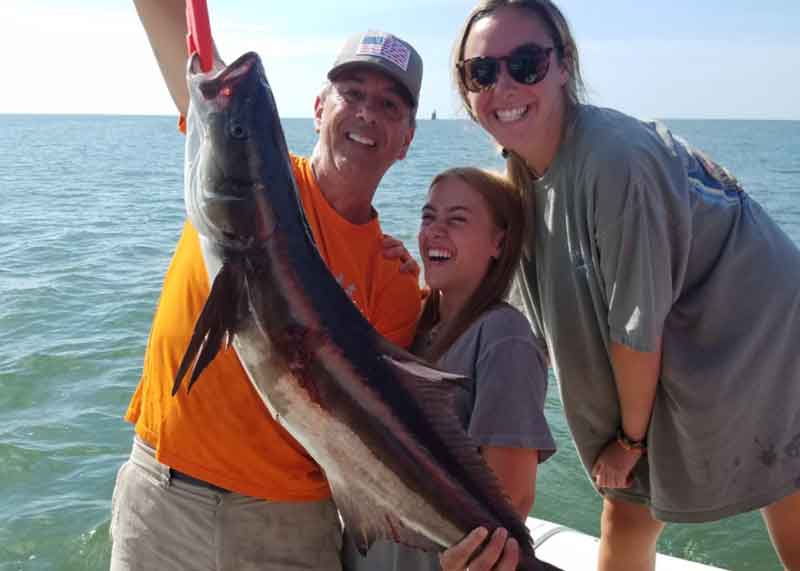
(222, 432)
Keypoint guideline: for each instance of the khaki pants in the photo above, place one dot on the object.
(162, 523)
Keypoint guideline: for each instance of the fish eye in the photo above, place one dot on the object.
(237, 131)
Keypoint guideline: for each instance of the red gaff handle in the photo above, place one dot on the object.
(198, 37)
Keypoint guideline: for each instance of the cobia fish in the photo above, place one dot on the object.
(378, 420)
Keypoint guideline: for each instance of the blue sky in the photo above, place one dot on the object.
(706, 59)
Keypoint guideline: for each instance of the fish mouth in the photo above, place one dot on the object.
(219, 83)
(232, 120)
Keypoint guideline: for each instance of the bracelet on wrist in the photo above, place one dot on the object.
(629, 443)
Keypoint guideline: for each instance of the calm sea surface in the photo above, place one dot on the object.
(90, 211)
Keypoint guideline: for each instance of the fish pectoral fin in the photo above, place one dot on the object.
(414, 365)
(425, 372)
(434, 390)
(366, 522)
(217, 324)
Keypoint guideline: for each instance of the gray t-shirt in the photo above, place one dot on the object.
(637, 236)
(504, 407)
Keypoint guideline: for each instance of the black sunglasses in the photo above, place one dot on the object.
(528, 64)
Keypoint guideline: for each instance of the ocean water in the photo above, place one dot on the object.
(90, 211)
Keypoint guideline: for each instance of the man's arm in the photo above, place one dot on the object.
(394, 249)
(165, 24)
(397, 308)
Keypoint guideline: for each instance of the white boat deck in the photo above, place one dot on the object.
(575, 551)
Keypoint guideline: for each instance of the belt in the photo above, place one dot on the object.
(147, 454)
(183, 477)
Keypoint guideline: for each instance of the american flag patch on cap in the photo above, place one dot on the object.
(385, 46)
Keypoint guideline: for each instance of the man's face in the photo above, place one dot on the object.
(364, 123)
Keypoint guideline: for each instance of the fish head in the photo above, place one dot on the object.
(233, 136)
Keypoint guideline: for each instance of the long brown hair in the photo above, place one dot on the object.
(566, 54)
(505, 210)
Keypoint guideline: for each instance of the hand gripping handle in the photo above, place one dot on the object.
(198, 37)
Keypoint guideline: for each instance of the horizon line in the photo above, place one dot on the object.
(420, 117)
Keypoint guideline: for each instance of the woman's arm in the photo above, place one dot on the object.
(507, 419)
(499, 553)
(511, 385)
(165, 24)
(516, 470)
(636, 375)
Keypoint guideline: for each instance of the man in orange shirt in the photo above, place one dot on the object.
(213, 481)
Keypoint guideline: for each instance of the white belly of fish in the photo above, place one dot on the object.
(350, 466)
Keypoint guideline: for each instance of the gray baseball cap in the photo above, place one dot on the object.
(385, 53)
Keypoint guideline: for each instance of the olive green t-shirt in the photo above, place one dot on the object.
(637, 237)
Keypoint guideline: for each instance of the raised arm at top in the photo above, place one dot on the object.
(165, 24)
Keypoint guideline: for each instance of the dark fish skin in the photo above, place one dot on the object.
(378, 420)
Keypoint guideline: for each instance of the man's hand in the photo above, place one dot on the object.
(394, 249)
(498, 555)
(613, 466)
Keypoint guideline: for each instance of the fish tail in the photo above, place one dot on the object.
(216, 325)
